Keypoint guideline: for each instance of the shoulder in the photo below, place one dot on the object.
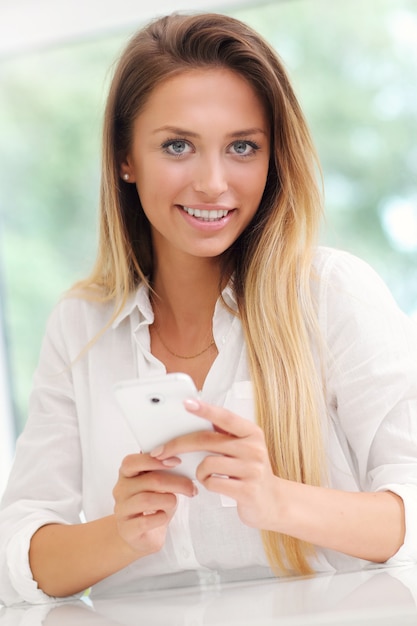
(74, 311)
(331, 264)
(352, 297)
(75, 321)
(342, 275)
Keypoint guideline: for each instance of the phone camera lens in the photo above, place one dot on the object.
(155, 398)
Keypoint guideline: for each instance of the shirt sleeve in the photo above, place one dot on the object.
(372, 383)
(45, 482)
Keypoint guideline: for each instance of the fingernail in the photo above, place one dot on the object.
(171, 462)
(195, 490)
(192, 404)
(157, 451)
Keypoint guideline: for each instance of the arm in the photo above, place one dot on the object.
(43, 546)
(343, 521)
(89, 552)
(371, 382)
(369, 526)
(145, 502)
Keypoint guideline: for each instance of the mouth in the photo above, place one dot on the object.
(206, 215)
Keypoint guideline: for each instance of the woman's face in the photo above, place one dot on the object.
(199, 159)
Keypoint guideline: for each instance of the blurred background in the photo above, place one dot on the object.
(354, 68)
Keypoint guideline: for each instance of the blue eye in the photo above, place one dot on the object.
(244, 148)
(240, 147)
(176, 147)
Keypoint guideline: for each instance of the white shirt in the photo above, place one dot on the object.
(68, 457)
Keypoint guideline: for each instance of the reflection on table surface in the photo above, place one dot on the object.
(384, 597)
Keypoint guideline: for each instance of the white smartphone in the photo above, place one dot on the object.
(154, 410)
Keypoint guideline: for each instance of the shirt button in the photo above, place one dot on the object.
(185, 553)
(209, 579)
(212, 579)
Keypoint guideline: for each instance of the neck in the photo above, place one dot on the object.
(183, 303)
(185, 295)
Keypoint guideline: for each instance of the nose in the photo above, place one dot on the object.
(211, 176)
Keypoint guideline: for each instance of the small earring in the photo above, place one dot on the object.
(126, 177)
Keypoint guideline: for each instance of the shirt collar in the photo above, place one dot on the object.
(229, 296)
(140, 300)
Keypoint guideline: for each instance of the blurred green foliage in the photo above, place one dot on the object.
(353, 65)
(354, 68)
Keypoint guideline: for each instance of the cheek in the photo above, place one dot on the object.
(148, 184)
(253, 184)
(160, 182)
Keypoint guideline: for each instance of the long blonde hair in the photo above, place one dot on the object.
(271, 260)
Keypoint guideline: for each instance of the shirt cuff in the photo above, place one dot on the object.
(17, 555)
(407, 554)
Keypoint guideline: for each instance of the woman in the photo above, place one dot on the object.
(208, 265)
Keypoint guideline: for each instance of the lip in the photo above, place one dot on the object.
(208, 217)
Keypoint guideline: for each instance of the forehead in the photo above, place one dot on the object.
(201, 90)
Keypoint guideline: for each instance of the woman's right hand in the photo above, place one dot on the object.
(146, 499)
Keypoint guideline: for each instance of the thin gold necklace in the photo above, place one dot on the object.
(181, 356)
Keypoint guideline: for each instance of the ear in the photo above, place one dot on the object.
(127, 172)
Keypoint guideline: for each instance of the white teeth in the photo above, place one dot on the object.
(206, 215)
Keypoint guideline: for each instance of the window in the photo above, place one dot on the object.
(7, 433)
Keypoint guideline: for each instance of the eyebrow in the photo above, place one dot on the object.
(188, 133)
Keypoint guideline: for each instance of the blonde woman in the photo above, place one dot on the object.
(208, 264)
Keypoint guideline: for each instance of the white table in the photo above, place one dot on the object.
(380, 597)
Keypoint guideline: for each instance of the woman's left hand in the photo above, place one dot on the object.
(237, 465)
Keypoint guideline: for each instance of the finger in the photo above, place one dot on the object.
(145, 533)
(223, 467)
(206, 441)
(224, 485)
(153, 481)
(147, 521)
(227, 427)
(159, 482)
(135, 464)
(164, 482)
(221, 418)
(145, 504)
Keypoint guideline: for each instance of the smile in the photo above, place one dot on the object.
(205, 215)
